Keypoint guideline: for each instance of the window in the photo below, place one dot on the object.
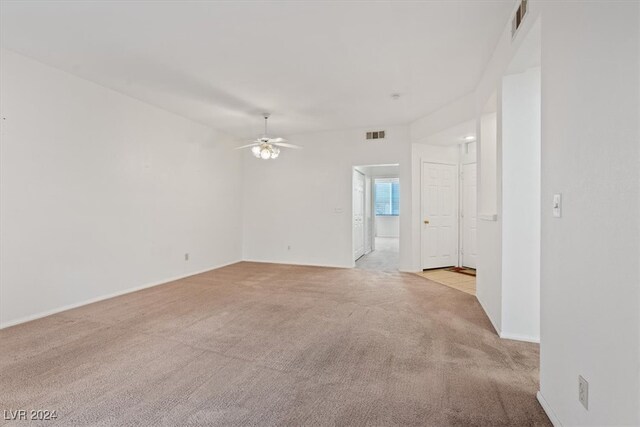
(387, 197)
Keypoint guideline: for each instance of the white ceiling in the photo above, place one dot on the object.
(316, 65)
(453, 135)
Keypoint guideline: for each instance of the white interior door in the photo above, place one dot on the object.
(358, 214)
(439, 215)
(368, 229)
(469, 215)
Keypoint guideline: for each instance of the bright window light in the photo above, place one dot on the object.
(387, 197)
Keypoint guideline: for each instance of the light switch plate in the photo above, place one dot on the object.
(583, 392)
(557, 205)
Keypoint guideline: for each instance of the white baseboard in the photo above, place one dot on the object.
(518, 337)
(104, 297)
(547, 409)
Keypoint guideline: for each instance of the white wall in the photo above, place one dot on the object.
(101, 193)
(298, 209)
(387, 226)
(386, 171)
(469, 153)
(488, 164)
(426, 129)
(489, 269)
(590, 279)
(521, 205)
(489, 225)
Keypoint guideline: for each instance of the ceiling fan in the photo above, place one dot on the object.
(266, 148)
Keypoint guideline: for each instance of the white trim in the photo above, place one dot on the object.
(364, 237)
(518, 337)
(104, 297)
(488, 217)
(547, 409)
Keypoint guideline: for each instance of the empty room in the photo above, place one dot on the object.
(320, 213)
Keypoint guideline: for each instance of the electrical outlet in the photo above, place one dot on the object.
(186, 256)
(583, 392)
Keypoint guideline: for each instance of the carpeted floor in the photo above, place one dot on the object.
(385, 257)
(259, 344)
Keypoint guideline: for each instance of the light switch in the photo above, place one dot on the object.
(557, 205)
(337, 210)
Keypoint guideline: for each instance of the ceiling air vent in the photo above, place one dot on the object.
(379, 134)
(519, 16)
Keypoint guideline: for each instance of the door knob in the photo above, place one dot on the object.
(426, 221)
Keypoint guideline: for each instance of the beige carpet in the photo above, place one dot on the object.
(258, 344)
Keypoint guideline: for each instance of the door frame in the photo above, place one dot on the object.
(457, 207)
(368, 222)
(364, 199)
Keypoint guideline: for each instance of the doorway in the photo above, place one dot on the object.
(358, 214)
(439, 237)
(376, 217)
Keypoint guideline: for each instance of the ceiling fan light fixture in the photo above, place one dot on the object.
(266, 148)
(265, 151)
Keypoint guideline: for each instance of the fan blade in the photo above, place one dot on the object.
(276, 140)
(248, 145)
(282, 144)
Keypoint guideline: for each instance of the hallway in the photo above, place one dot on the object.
(385, 257)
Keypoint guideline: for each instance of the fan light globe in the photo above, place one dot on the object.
(265, 153)
(256, 151)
